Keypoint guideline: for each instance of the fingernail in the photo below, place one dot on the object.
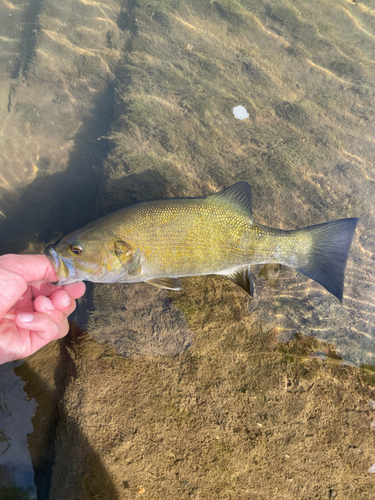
(25, 318)
(65, 301)
(48, 304)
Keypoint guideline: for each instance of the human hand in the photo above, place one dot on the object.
(33, 312)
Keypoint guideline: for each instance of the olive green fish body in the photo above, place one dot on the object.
(187, 237)
(163, 240)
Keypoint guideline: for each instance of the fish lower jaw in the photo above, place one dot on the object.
(67, 281)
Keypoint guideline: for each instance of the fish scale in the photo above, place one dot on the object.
(187, 238)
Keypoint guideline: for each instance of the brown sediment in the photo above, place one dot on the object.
(237, 416)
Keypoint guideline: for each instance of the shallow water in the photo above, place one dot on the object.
(107, 104)
(16, 410)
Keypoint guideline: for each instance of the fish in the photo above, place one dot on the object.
(159, 242)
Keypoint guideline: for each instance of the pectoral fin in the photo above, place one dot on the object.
(135, 265)
(123, 251)
(126, 256)
(243, 278)
(169, 283)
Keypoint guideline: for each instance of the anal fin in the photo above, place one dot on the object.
(169, 283)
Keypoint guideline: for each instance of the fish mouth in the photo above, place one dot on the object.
(53, 257)
(64, 268)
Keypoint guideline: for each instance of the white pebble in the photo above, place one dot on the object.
(240, 112)
(372, 469)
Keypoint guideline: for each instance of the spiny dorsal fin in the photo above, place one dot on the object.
(169, 283)
(243, 278)
(238, 196)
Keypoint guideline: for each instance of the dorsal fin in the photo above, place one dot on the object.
(238, 196)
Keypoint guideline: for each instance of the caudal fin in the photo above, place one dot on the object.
(327, 258)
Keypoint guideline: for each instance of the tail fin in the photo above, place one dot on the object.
(327, 259)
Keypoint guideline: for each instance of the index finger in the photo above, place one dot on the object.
(76, 290)
(30, 267)
(16, 271)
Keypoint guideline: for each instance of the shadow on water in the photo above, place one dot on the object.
(54, 430)
(54, 204)
(16, 412)
(135, 188)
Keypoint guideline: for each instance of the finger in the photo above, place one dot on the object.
(23, 303)
(12, 288)
(30, 267)
(43, 325)
(46, 306)
(63, 301)
(75, 290)
(43, 288)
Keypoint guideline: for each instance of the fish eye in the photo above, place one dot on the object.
(76, 249)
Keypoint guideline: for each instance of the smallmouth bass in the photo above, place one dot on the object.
(161, 241)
